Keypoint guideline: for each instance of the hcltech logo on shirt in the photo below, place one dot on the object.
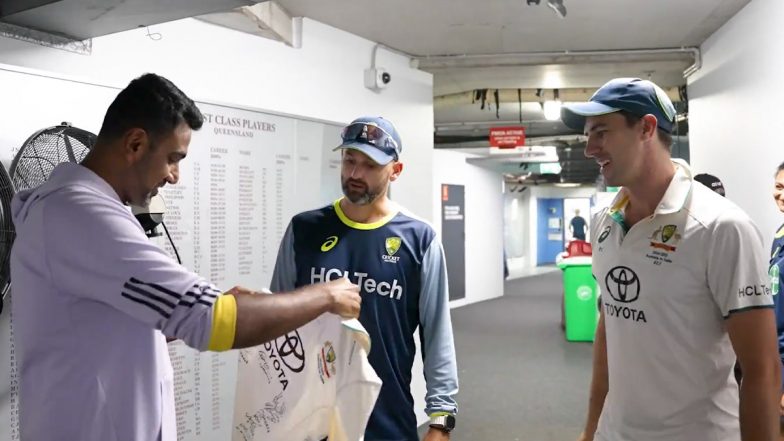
(393, 290)
(754, 290)
(623, 285)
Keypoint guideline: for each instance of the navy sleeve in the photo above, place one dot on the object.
(284, 277)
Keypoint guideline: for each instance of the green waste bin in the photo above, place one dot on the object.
(579, 302)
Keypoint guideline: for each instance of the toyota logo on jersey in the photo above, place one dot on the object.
(623, 284)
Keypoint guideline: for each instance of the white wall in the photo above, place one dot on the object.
(484, 228)
(515, 222)
(516, 226)
(322, 80)
(734, 121)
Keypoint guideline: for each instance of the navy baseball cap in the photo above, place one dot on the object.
(636, 96)
(711, 182)
(373, 136)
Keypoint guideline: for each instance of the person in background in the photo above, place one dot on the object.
(577, 226)
(776, 268)
(711, 182)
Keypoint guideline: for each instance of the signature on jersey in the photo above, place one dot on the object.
(272, 413)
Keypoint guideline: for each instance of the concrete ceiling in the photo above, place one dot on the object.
(509, 44)
(84, 19)
(468, 27)
(438, 27)
(465, 44)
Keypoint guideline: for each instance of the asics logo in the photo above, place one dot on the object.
(329, 244)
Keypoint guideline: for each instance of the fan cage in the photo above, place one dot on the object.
(7, 232)
(47, 148)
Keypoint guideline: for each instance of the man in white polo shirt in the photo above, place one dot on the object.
(683, 279)
(93, 297)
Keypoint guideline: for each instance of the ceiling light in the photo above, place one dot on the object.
(566, 184)
(552, 110)
(558, 7)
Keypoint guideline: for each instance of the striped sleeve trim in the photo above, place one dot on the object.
(148, 304)
(199, 293)
(748, 308)
(163, 300)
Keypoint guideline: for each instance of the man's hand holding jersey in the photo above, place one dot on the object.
(343, 296)
(261, 318)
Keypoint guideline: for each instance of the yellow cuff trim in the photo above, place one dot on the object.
(224, 323)
(438, 414)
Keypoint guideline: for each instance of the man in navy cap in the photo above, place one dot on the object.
(711, 182)
(398, 262)
(684, 287)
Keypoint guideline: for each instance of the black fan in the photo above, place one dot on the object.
(41, 153)
(31, 167)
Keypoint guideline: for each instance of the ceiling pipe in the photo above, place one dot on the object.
(697, 62)
(435, 62)
(469, 125)
(531, 96)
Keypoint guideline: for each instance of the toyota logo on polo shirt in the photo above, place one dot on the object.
(623, 284)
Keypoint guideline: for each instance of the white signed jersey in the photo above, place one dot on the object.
(311, 384)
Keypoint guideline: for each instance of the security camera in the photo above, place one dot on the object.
(377, 78)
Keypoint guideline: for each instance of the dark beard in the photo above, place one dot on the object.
(360, 198)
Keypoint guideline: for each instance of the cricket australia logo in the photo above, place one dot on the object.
(392, 245)
(327, 366)
(668, 232)
(665, 238)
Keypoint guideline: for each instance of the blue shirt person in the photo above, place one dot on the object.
(577, 226)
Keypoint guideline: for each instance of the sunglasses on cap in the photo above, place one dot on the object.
(369, 134)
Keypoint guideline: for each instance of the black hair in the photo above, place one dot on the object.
(780, 169)
(152, 103)
(664, 136)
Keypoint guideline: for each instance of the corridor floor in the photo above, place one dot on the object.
(520, 380)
